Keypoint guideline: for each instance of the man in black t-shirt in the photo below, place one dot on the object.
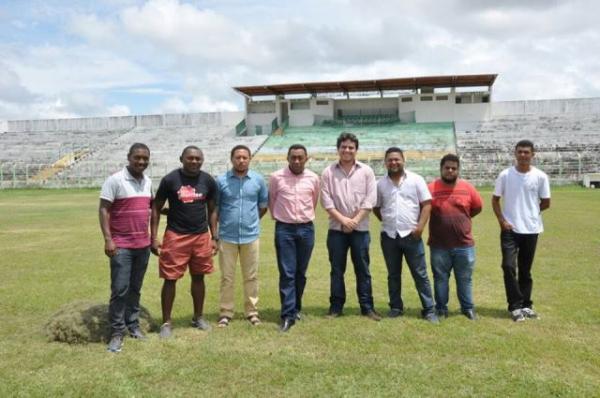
(188, 239)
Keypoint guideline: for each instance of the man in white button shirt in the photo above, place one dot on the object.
(404, 206)
(525, 191)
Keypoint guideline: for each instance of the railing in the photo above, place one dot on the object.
(92, 174)
(240, 128)
(561, 169)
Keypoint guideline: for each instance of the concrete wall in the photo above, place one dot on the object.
(356, 104)
(261, 107)
(443, 110)
(231, 118)
(301, 117)
(125, 122)
(79, 124)
(259, 119)
(324, 111)
(547, 107)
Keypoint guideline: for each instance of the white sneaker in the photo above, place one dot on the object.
(517, 315)
(529, 313)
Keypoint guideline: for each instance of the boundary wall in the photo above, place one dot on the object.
(123, 122)
(576, 106)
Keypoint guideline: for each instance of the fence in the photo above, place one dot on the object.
(90, 175)
(562, 169)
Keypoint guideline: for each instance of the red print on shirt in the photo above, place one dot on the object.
(187, 194)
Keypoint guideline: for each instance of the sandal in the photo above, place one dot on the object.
(223, 322)
(254, 320)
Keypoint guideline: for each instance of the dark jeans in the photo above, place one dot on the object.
(518, 251)
(414, 252)
(294, 244)
(127, 270)
(338, 244)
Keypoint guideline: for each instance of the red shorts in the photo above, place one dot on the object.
(179, 251)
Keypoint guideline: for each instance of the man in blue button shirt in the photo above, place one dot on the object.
(242, 201)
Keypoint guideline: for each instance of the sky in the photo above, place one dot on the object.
(81, 58)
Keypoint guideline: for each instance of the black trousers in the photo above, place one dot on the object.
(518, 251)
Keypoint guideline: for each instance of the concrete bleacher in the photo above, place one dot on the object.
(35, 156)
(423, 143)
(48, 147)
(166, 144)
(83, 152)
(567, 145)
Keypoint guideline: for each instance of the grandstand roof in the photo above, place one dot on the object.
(403, 83)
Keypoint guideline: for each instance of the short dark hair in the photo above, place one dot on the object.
(450, 158)
(191, 148)
(394, 149)
(244, 147)
(525, 144)
(296, 146)
(344, 137)
(136, 146)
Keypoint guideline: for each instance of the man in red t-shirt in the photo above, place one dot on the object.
(454, 203)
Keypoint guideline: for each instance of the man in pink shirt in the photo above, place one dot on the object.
(348, 193)
(293, 195)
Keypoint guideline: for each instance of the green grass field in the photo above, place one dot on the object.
(52, 254)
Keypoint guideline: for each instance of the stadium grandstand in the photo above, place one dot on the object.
(426, 116)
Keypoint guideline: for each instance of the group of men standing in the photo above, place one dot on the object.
(207, 216)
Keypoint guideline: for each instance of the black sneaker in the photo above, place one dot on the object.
(115, 344)
(441, 314)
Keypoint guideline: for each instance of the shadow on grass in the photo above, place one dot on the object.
(273, 315)
(493, 312)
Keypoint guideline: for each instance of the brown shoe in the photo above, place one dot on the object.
(373, 315)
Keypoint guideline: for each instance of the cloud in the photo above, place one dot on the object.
(11, 88)
(199, 103)
(190, 32)
(80, 57)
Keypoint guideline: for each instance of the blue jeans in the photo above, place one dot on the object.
(294, 244)
(338, 244)
(462, 260)
(127, 270)
(414, 252)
